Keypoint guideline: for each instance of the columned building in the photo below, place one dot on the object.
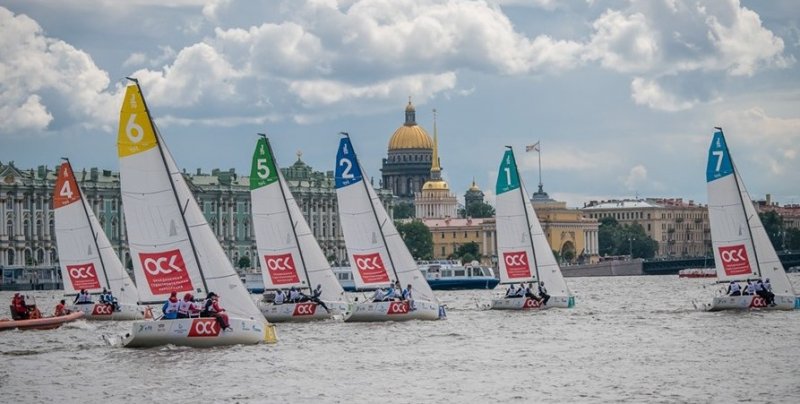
(435, 200)
(568, 231)
(27, 237)
(408, 162)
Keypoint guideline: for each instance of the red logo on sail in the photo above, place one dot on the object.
(531, 304)
(102, 310)
(165, 272)
(734, 260)
(281, 269)
(371, 268)
(398, 308)
(204, 327)
(83, 276)
(517, 264)
(305, 309)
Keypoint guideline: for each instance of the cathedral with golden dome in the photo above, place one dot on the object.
(407, 165)
(435, 200)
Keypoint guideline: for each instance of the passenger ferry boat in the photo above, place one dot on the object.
(441, 275)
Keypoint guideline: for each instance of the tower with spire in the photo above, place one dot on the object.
(473, 194)
(408, 162)
(435, 199)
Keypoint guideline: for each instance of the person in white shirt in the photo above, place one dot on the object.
(378, 296)
(294, 295)
(521, 291)
(751, 289)
(280, 297)
(734, 289)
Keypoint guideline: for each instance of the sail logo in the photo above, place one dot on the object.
(398, 308)
(758, 301)
(165, 272)
(281, 269)
(517, 264)
(305, 309)
(531, 304)
(83, 276)
(204, 327)
(370, 268)
(102, 310)
(734, 260)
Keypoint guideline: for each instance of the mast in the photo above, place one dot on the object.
(288, 211)
(527, 218)
(742, 202)
(157, 136)
(86, 212)
(374, 214)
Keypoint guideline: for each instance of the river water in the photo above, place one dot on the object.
(634, 339)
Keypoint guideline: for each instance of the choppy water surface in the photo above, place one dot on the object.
(628, 339)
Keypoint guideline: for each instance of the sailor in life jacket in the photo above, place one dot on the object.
(280, 297)
(170, 307)
(751, 288)
(211, 308)
(187, 308)
(734, 289)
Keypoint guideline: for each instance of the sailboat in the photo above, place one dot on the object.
(86, 258)
(522, 248)
(377, 252)
(290, 257)
(742, 249)
(172, 246)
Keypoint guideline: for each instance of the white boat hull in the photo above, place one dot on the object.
(520, 303)
(104, 312)
(750, 302)
(197, 332)
(301, 312)
(394, 311)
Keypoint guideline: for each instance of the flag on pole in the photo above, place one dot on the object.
(534, 147)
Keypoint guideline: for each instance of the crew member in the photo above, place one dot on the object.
(409, 297)
(543, 293)
(280, 297)
(170, 307)
(61, 309)
(19, 310)
(315, 297)
(211, 308)
(187, 308)
(734, 289)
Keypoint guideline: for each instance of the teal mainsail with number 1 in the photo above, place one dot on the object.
(523, 253)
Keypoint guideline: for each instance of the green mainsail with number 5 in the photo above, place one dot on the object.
(262, 172)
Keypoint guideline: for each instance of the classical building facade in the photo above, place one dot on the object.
(569, 232)
(451, 233)
(407, 165)
(680, 228)
(27, 235)
(435, 199)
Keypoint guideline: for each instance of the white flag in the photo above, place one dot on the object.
(534, 147)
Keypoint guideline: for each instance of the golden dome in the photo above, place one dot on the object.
(435, 185)
(474, 186)
(410, 135)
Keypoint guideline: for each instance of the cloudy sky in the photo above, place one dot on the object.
(623, 95)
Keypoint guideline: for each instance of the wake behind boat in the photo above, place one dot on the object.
(290, 257)
(522, 248)
(742, 249)
(173, 248)
(376, 249)
(86, 258)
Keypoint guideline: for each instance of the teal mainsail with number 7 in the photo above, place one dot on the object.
(523, 253)
(742, 249)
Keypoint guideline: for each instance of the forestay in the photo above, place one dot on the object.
(287, 250)
(171, 244)
(86, 258)
(378, 255)
(742, 249)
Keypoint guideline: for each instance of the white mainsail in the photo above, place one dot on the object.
(524, 255)
(742, 249)
(287, 250)
(171, 244)
(86, 257)
(378, 255)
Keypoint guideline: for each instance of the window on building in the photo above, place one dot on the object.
(10, 228)
(443, 253)
(442, 235)
(26, 227)
(465, 234)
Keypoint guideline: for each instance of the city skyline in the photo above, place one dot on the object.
(622, 95)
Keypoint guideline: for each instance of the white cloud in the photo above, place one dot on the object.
(624, 42)
(38, 71)
(649, 93)
(636, 177)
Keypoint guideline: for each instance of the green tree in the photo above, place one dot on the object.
(468, 252)
(773, 224)
(418, 239)
(244, 262)
(633, 240)
(607, 236)
(403, 210)
(793, 239)
(479, 210)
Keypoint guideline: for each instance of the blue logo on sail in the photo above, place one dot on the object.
(347, 170)
(719, 161)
